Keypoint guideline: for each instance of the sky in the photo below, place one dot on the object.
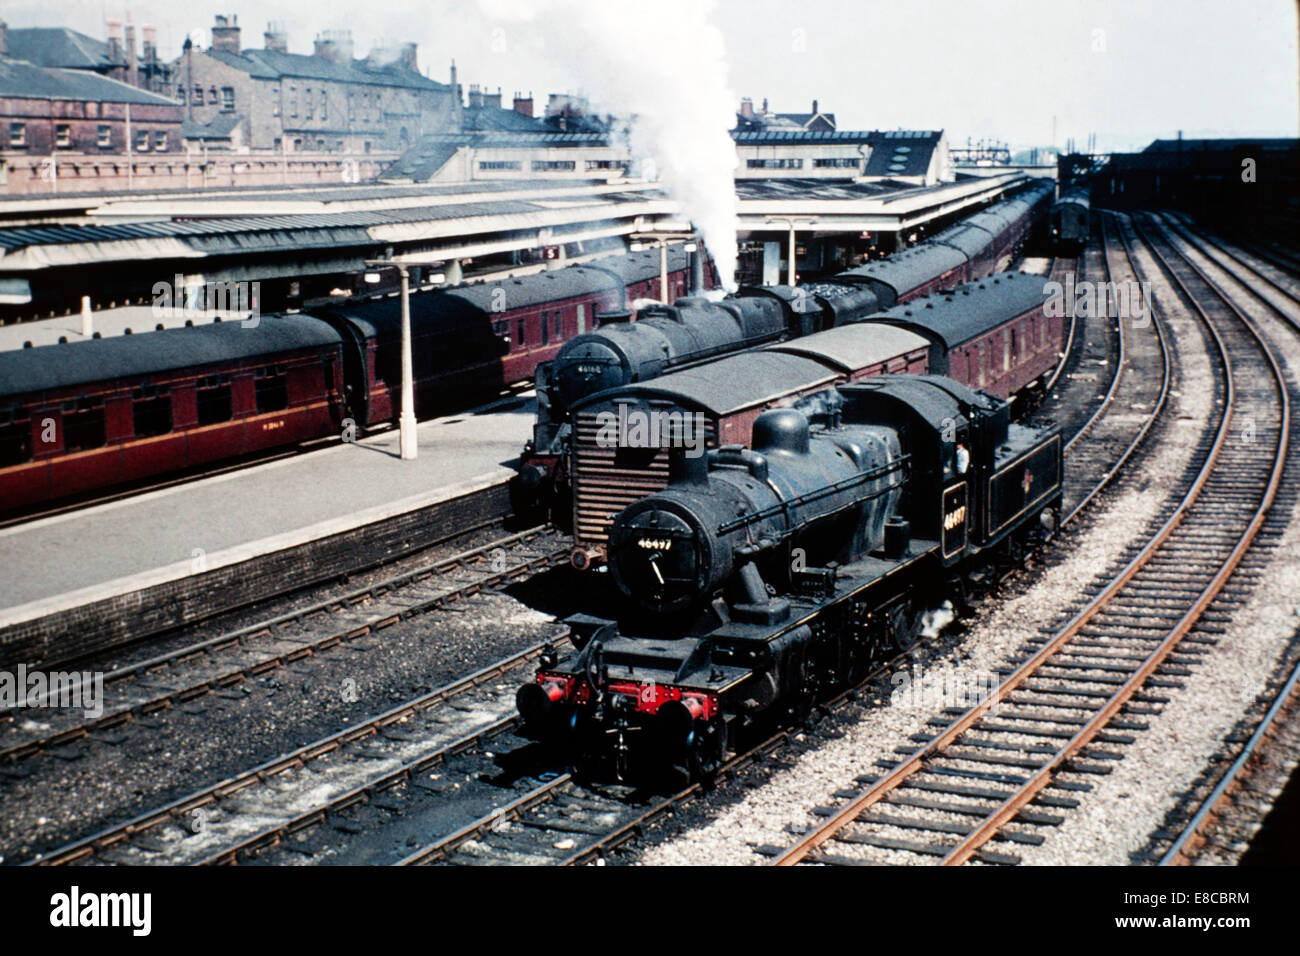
(1127, 70)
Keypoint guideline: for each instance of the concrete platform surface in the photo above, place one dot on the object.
(68, 560)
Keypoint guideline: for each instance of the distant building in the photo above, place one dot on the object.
(503, 154)
(45, 110)
(271, 99)
(750, 120)
(916, 157)
(67, 49)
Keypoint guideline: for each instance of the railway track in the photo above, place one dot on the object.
(265, 806)
(996, 775)
(228, 659)
(1106, 427)
(1223, 811)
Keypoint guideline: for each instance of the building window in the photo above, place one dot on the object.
(142, 140)
(105, 138)
(180, 94)
(227, 99)
(836, 162)
(275, 100)
(553, 165)
(212, 96)
(17, 134)
(197, 99)
(775, 163)
(309, 104)
(604, 164)
(324, 106)
(63, 135)
(489, 165)
(160, 139)
(293, 101)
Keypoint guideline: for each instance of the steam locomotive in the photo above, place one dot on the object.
(1070, 219)
(763, 579)
(693, 331)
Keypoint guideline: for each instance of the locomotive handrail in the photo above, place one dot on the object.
(842, 485)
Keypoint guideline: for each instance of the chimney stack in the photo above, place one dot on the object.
(115, 56)
(524, 105)
(334, 45)
(814, 107)
(225, 34)
(475, 97)
(747, 108)
(4, 38)
(149, 46)
(492, 99)
(276, 37)
(132, 64)
(408, 57)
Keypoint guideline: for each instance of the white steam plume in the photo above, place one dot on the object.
(664, 66)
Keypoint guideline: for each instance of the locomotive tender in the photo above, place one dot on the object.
(760, 580)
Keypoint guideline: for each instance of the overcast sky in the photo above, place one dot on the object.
(1128, 70)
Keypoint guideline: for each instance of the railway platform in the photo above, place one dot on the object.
(78, 582)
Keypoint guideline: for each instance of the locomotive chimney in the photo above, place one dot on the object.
(687, 466)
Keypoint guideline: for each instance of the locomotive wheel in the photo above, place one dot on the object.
(904, 626)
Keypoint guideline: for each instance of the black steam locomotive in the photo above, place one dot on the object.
(694, 330)
(763, 579)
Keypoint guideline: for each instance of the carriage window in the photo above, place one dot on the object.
(83, 426)
(557, 324)
(271, 387)
(523, 340)
(152, 412)
(15, 442)
(1008, 344)
(213, 400)
(546, 337)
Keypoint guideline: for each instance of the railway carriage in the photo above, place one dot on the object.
(78, 416)
(995, 335)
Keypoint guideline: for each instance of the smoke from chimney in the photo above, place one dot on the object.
(678, 100)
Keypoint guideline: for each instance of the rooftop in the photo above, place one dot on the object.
(22, 80)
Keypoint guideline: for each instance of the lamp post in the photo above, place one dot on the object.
(406, 417)
(638, 241)
(790, 221)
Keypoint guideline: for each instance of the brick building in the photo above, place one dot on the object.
(271, 99)
(116, 58)
(45, 110)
